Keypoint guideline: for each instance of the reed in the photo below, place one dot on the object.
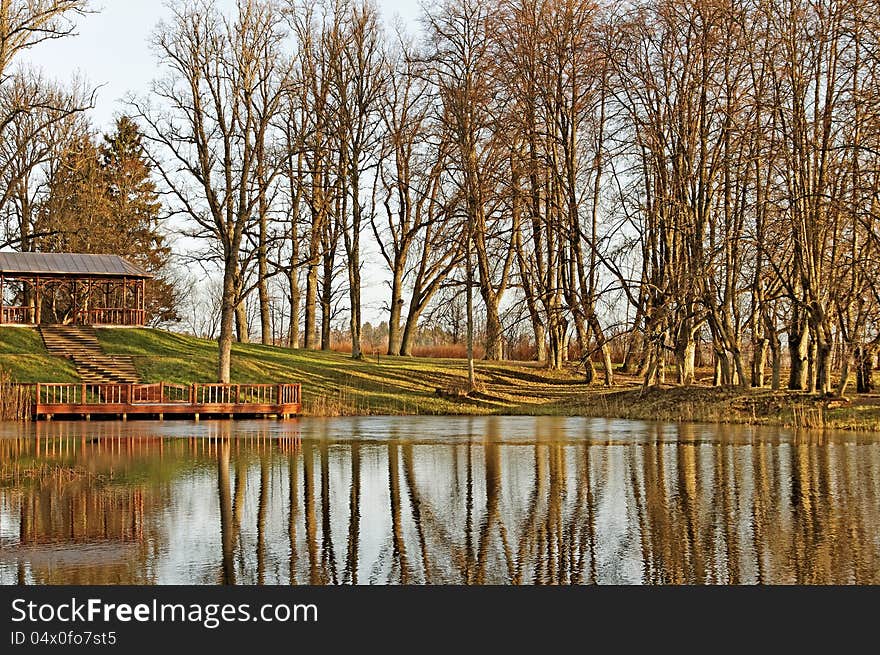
(16, 473)
(808, 418)
(15, 399)
(337, 403)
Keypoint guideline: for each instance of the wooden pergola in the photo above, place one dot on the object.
(68, 288)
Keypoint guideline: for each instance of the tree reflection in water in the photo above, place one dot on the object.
(413, 501)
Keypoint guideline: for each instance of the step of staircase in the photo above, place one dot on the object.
(80, 345)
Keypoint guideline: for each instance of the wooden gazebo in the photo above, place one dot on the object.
(66, 288)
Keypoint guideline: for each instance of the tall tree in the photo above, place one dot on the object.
(460, 37)
(205, 142)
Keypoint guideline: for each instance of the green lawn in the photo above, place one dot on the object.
(334, 384)
(25, 359)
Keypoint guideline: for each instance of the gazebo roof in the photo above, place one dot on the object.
(63, 264)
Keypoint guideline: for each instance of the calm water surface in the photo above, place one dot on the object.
(436, 500)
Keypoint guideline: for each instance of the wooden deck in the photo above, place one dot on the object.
(72, 400)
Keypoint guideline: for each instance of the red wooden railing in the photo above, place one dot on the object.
(16, 315)
(96, 316)
(66, 393)
(110, 316)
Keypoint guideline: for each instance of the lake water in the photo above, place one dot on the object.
(437, 500)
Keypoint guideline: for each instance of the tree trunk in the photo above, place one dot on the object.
(759, 361)
(295, 299)
(602, 343)
(242, 330)
(844, 371)
(326, 304)
(798, 348)
(494, 331)
(685, 352)
(589, 370)
(353, 251)
(263, 273)
(864, 360)
(355, 314)
(394, 334)
(469, 281)
(540, 340)
(310, 327)
(823, 362)
(227, 317)
(408, 333)
(812, 351)
(723, 370)
(776, 359)
(742, 379)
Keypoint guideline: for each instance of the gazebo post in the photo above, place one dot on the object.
(37, 306)
(88, 298)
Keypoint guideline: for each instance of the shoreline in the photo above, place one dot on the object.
(670, 404)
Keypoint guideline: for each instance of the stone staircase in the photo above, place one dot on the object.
(80, 345)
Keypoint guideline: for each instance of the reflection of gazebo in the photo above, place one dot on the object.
(46, 288)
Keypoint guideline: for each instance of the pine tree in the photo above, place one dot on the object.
(102, 200)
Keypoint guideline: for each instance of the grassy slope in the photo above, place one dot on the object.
(24, 357)
(334, 384)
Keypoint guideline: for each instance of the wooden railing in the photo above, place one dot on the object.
(164, 393)
(17, 315)
(110, 316)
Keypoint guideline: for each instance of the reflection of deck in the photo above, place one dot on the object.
(159, 400)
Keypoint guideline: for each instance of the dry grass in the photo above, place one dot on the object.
(706, 404)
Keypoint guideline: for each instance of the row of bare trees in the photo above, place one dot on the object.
(663, 172)
(660, 173)
(751, 134)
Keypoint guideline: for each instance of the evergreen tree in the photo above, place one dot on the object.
(102, 200)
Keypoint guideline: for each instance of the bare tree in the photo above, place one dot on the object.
(359, 80)
(205, 143)
(26, 23)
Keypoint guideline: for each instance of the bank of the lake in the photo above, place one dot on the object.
(336, 385)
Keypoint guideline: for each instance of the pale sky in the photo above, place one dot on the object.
(111, 49)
